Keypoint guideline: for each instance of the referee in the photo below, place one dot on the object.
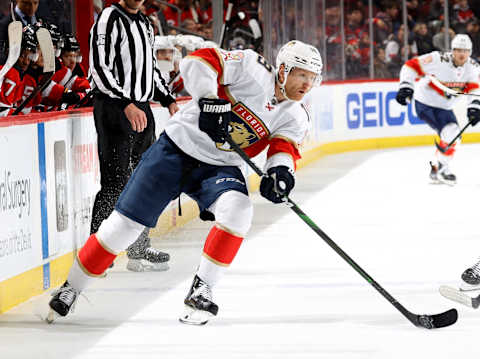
(124, 70)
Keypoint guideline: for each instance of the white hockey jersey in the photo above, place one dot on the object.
(460, 78)
(248, 82)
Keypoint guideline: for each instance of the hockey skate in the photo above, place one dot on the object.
(143, 257)
(63, 301)
(471, 278)
(199, 307)
(440, 173)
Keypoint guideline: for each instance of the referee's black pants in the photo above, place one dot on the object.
(119, 151)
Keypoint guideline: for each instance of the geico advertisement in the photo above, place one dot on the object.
(20, 234)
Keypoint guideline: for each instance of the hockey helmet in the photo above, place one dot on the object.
(165, 62)
(163, 43)
(190, 42)
(56, 36)
(70, 43)
(462, 41)
(30, 42)
(209, 44)
(298, 54)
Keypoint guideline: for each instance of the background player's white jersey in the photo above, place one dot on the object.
(248, 82)
(460, 78)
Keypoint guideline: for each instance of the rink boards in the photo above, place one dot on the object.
(49, 174)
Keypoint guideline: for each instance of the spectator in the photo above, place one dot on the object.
(380, 69)
(386, 22)
(422, 39)
(439, 39)
(473, 30)
(355, 24)
(186, 10)
(461, 13)
(334, 41)
(395, 51)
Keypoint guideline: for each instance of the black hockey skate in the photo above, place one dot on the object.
(143, 257)
(441, 174)
(199, 307)
(471, 278)
(63, 301)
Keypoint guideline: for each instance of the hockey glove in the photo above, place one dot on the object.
(277, 184)
(403, 94)
(473, 112)
(214, 118)
(70, 98)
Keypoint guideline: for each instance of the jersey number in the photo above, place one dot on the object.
(261, 60)
(10, 89)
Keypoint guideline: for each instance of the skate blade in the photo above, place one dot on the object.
(193, 316)
(142, 265)
(458, 296)
(465, 287)
(448, 183)
(52, 316)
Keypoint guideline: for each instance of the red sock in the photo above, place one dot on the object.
(221, 246)
(94, 258)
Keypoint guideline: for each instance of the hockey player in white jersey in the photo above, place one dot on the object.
(259, 106)
(455, 70)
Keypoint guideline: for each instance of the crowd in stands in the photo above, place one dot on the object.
(182, 26)
(425, 21)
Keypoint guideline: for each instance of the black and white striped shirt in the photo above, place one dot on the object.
(122, 59)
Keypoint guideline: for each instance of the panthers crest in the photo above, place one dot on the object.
(246, 128)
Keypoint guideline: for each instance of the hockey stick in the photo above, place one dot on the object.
(459, 296)
(14, 47)
(446, 89)
(85, 99)
(446, 148)
(225, 25)
(48, 53)
(426, 321)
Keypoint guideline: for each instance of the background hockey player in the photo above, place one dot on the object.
(453, 69)
(259, 106)
(12, 87)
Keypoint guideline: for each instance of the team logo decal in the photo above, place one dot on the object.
(426, 60)
(245, 127)
(231, 56)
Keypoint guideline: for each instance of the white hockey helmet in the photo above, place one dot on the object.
(298, 54)
(190, 42)
(209, 44)
(462, 41)
(164, 43)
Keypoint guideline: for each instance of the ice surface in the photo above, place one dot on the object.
(288, 295)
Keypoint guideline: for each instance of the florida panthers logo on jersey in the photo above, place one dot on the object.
(246, 128)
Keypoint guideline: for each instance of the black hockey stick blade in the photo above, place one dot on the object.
(459, 296)
(434, 321)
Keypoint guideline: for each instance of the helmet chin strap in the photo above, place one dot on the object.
(281, 85)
